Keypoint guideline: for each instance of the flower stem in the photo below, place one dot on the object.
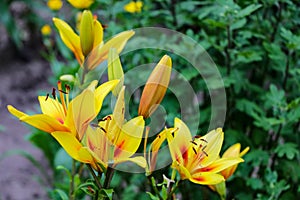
(170, 194)
(95, 177)
(153, 184)
(108, 177)
(71, 191)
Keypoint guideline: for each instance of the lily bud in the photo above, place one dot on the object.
(155, 87)
(87, 32)
(115, 70)
(67, 77)
(233, 152)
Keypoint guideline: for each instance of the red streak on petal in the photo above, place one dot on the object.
(91, 146)
(185, 156)
(60, 120)
(200, 178)
(118, 149)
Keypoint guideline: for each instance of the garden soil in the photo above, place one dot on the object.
(20, 80)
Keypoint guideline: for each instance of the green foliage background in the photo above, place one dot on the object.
(255, 45)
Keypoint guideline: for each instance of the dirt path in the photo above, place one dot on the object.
(19, 83)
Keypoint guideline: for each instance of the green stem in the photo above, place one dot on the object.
(153, 185)
(172, 178)
(83, 75)
(108, 177)
(170, 194)
(95, 177)
(73, 173)
(227, 49)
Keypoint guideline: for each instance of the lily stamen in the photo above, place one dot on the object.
(47, 96)
(53, 93)
(61, 95)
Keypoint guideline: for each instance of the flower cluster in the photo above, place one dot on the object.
(106, 142)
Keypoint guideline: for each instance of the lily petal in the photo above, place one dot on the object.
(70, 38)
(180, 143)
(52, 108)
(213, 141)
(184, 172)
(44, 123)
(118, 116)
(219, 165)
(98, 145)
(207, 178)
(81, 111)
(100, 53)
(72, 146)
(130, 138)
(98, 33)
(139, 160)
(233, 151)
(15, 112)
(102, 91)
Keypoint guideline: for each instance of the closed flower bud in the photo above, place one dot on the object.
(155, 87)
(115, 70)
(67, 77)
(86, 32)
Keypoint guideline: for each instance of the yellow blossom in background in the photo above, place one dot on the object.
(81, 4)
(46, 30)
(198, 159)
(55, 4)
(134, 6)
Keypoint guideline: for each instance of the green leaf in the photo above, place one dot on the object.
(61, 194)
(39, 139)
(248, 10)
(62, 158)
(238, 24)
(255, 183)
(290, 150)
(60, 167)
(257, 157)
(152, 196)
(107, 193)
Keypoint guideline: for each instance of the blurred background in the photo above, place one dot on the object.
(254, 43)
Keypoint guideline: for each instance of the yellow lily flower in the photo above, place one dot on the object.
(156, 87)
(198, 159)
(114, 141)
(81, 4)
(134, 7)
(67, 116)
(68, 121)
(90, 40)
